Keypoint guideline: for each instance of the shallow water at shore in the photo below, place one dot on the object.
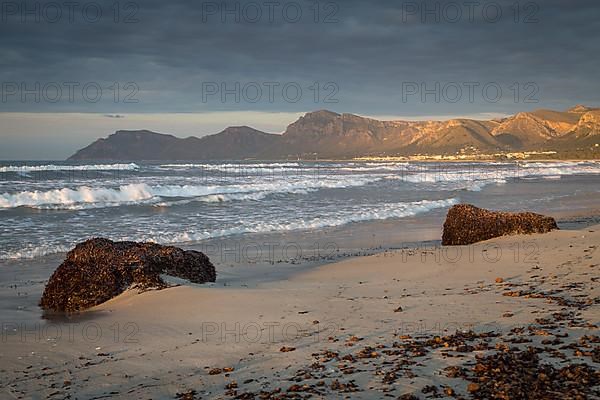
(47, 208)
(337, 231)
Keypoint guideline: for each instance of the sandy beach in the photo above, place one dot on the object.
(352, 328)
(240, 200)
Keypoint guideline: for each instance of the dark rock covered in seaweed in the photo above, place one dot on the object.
(99, 269)
(467, 224)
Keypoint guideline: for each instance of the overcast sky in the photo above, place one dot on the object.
(192, 68)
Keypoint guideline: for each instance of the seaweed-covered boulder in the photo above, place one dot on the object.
(467, 224)
(99, 269)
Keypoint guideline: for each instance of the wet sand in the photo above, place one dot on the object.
(363, 326)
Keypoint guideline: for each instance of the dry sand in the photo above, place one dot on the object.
(187, 338)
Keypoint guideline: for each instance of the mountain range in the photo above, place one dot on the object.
(326, 134)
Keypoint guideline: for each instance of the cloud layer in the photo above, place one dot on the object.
(351, 56)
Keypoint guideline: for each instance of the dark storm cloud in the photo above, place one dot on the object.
(360, 54)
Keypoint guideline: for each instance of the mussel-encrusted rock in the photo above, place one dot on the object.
(99, 269)
(467, 224)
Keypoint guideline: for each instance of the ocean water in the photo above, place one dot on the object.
(47, 207)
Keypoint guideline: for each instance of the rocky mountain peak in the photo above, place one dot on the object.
(325, 133)
(580, 109)
(239, 130)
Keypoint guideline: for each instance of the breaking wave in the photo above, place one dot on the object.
(53, 167)
(335, 218)
(142, 193)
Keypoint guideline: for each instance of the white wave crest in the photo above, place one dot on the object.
(141, 193)
(82, 195)
(53, 167)
(338, 218)
(332, 218)
(31, 252)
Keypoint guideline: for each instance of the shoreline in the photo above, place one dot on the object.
(539, 193)
(573, 220)
(188, 337)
